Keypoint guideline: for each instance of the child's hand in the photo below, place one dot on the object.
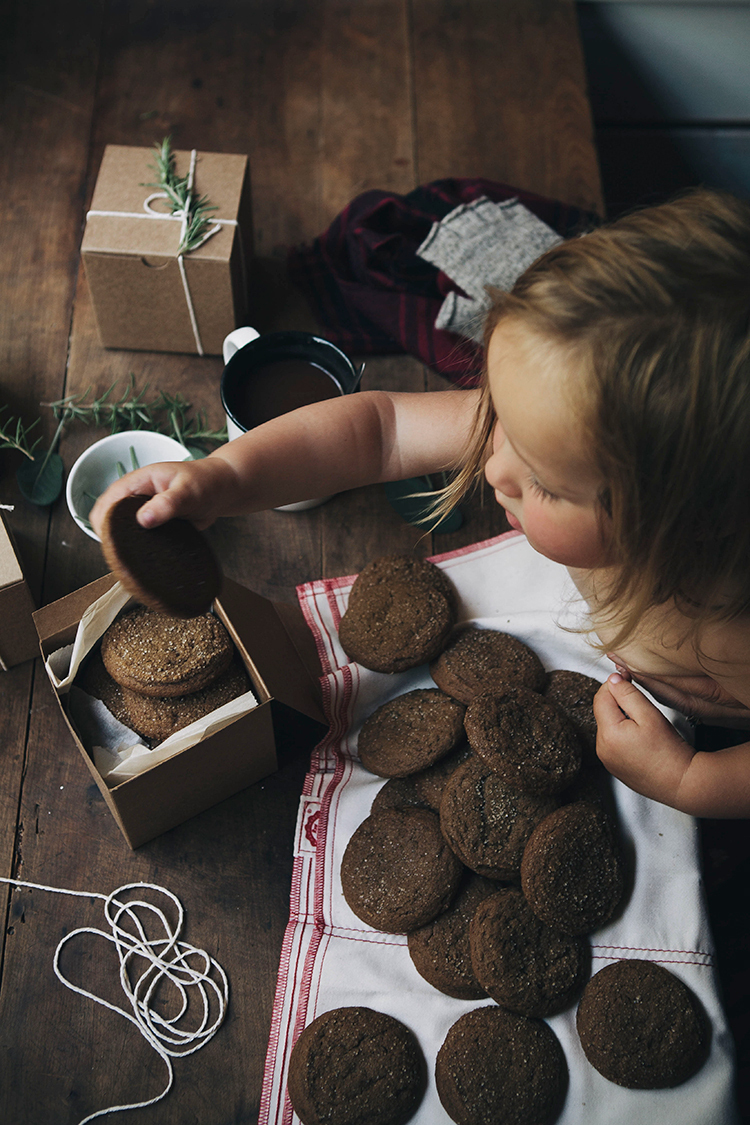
(198, 491)
(637, 744)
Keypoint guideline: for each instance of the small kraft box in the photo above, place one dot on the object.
(147, 294)
(279, 654)
(18, 639)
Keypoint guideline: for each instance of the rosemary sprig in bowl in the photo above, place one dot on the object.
(40, 478)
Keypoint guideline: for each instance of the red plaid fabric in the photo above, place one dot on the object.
(370, 291)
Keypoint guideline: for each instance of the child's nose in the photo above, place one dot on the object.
(502, 469)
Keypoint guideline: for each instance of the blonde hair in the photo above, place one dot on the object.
(655, 308)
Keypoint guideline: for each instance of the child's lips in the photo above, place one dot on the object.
(514, 523)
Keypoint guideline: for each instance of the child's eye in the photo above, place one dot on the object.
(540, 490)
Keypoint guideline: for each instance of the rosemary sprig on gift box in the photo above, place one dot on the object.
(182, 198)
(40, 477)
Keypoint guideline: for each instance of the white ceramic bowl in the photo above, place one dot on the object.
(97, 467)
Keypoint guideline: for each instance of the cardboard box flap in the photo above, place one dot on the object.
(281, 645)
(10, 567)
(54, 622)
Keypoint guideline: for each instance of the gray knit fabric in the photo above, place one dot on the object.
(480, 244)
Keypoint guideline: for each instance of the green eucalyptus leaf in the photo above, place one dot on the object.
(196, 454)
(41, 480)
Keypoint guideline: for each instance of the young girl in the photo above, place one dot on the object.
(613, 425)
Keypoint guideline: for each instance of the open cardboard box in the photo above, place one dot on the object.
(18, 640)
(280, 656)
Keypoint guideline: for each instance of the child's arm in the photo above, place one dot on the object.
(641, 748)
(314, 451)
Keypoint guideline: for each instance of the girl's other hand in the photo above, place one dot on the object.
(636, 744)
(198, 491)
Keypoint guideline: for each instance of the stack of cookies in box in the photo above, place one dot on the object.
(492, 847)
(168, 661)
(158, 673)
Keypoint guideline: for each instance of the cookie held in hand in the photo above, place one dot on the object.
(356, 1066)
(170, 568)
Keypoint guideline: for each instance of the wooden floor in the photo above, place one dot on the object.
(328, 98)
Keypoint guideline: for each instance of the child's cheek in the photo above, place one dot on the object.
(562, 538)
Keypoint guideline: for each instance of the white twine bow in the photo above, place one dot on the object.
(168, 960)
(182, 216)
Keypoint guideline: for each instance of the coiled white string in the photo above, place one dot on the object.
(167, 959)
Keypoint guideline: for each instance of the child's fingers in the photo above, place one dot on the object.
(607, 711)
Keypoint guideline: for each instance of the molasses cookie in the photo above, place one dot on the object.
(522, 964)
(356, 1066)
(574, 694)
(410, 733)
(423, 790)
(440, 950)
(641, 1027)
(170, 568)
(486, 823)
(154, 654)
(398, 872)
(497, 1067)
(400, 613)
(156, 718)
(477, 660)
(571, 871)
(95, 680)
(528, 742)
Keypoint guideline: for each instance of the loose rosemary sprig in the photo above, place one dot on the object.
(15, 435)
(181, 197)
(133, 410)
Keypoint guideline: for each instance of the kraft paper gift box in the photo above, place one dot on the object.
(146, 295)
(279, 654)
(18, 639)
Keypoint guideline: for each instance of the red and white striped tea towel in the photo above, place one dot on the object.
(330, 958)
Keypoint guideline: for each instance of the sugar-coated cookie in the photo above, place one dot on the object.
(572, 871)
(157, 718)
(488, 824)
(154, 654)
(398, 872)
(477, 660)
(400, 613)
(423, 790)
(356, 1066)
(524, 965)
(440, 950)
(527, 741)
(641, 1026)
(498, 1068)
(411, 732)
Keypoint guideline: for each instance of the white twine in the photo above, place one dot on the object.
(167, 959)
(181, 216)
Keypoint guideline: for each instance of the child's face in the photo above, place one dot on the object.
(539, 467)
